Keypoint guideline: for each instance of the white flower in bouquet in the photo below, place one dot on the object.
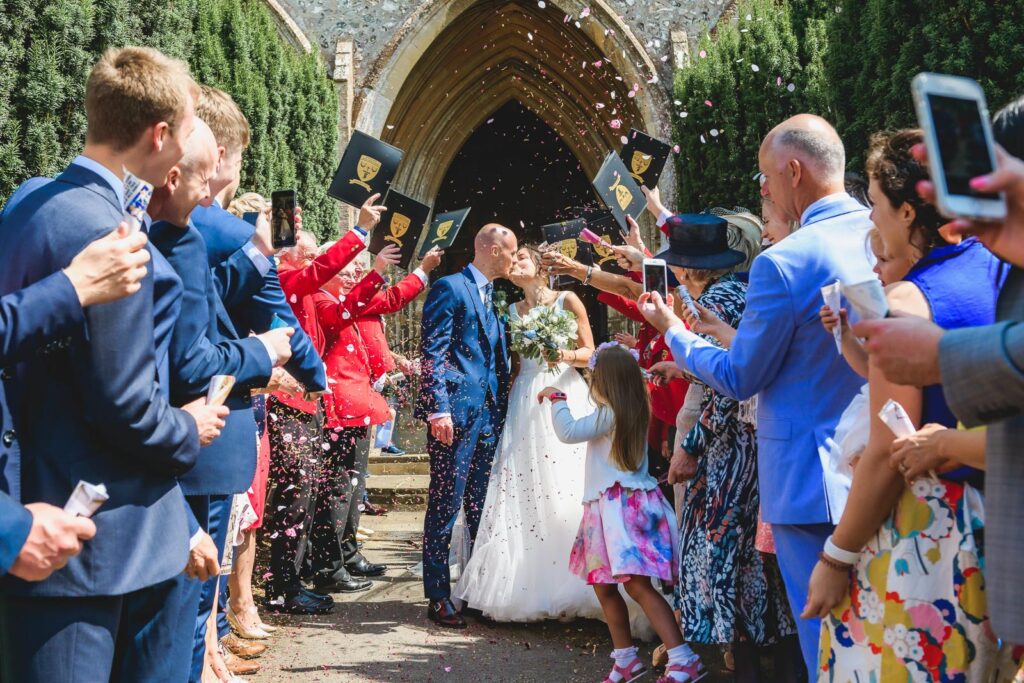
(543, 332)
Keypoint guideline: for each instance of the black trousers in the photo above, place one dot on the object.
(296, 457)
(338, 502)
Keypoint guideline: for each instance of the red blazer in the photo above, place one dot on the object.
(299, 285)
(352, 401)
(666, 399)
(371, 327)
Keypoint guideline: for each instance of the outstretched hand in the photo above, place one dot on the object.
(370, 212)
(657, 311)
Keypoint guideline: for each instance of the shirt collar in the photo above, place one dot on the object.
(115, 183)
(479, 278)
(830, 206)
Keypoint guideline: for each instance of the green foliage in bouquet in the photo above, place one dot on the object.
(542, 333)
(47, 49)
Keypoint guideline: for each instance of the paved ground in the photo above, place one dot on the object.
(383, 635)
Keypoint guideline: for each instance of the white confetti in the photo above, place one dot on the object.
(350, 348)
(791, 87)
(293, 299)
(529, 35)
(702, 140)
(714, 132)
(541, 4)
(755, 68)
(624, 140)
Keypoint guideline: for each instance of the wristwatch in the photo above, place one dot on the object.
(557, 396)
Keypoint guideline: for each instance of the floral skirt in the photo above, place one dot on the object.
(626, 532)
(916, 610)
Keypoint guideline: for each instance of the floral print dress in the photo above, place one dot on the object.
(727, 589)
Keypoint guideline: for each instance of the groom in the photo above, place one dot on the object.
(463, 395)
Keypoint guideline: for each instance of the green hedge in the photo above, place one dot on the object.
(849, 60)
(47, 49)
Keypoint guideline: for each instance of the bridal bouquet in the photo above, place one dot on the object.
(542, 333)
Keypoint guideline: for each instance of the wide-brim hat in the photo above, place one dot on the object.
(701, 241)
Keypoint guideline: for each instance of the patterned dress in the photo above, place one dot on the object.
(726, 589)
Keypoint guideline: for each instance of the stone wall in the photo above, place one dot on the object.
(371, 24)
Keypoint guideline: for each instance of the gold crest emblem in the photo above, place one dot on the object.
(639, 164)
(622, 194)
(604, 253)
(367, 169)
(568, 248)
(399, 226)
(442, 231)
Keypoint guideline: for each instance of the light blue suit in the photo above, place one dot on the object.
(782, 353)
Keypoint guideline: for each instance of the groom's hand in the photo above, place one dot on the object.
(443, 430)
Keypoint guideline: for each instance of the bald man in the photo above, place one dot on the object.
(782, 354)
(203, 344)
(463, 396)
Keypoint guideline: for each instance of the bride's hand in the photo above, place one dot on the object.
(546, 393)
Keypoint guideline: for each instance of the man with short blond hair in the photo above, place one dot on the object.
(93, 407)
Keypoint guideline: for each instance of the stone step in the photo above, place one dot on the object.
(399, 464)
(399, 491)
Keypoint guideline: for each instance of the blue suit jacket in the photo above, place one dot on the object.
(29, 318)
(225, 234)
(204, 344)
(782, 353)
(93, 408)
(460, 367)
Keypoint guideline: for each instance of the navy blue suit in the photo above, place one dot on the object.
(225, 234)
(93, 409)
(465, 373)
(204, 344)
(29, 318)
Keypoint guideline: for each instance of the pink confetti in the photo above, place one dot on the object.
(616, 124)
(703, 54)
(585, 13)
(708, 103)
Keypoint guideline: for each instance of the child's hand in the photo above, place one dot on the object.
(546, 393)
(830, 319)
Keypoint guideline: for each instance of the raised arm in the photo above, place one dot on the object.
(302, 282)
(759, 347)
(340, 314)
(396, 297)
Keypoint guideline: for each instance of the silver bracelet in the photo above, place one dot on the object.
(840, 555)
(590, 272)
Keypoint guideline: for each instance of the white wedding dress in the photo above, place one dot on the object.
(519, 567)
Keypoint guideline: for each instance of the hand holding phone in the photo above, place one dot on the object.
(955, 120)
(282, 218)
(656, 276)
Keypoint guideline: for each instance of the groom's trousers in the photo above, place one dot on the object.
(458, 479)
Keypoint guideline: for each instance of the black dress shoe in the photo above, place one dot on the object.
(299, 603)
(363, 567)
(344, 584)
(443, 613)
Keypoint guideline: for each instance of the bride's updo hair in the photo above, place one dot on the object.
(618, 383)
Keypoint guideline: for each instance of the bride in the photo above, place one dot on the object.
(519, 568)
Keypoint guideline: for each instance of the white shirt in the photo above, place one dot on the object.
(600, 473)
(481, 281)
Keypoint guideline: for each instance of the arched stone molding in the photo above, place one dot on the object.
(455, 62)
(289, 29)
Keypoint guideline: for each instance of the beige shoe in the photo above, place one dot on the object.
(259, 633)
(241, 648)
(659, 657)
(365, 531)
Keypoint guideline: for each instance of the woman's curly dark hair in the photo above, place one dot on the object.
(897, 173)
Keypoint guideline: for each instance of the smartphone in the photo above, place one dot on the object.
(656, 277)
(282, 218)
(953, 114)
(251, 217)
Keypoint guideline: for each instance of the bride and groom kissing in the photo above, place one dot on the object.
(493, 450)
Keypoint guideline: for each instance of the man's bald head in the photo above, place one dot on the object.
(200, 149)
(188, 182)
(813, 141)
(801, 160)
(494, 249)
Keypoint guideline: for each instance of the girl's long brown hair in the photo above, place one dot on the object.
(618, 384)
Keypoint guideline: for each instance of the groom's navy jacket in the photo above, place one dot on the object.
(465, 356)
